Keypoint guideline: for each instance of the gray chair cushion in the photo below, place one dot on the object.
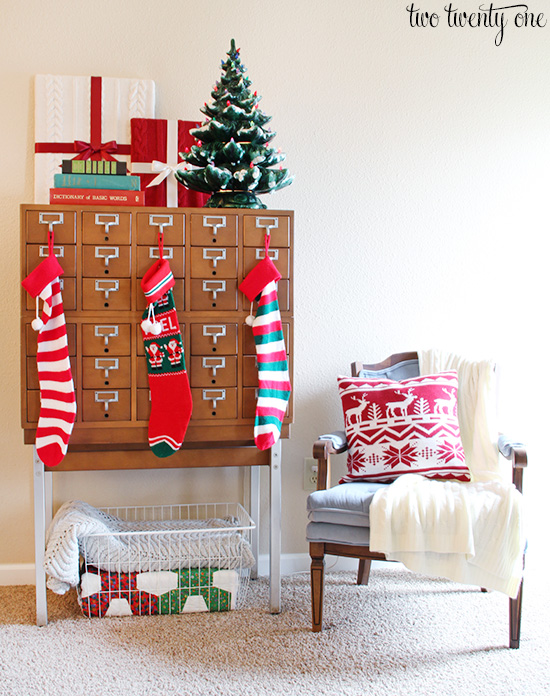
(337, 533)
(347, 504)
(402, 370)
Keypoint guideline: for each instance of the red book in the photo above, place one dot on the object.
(72, 196)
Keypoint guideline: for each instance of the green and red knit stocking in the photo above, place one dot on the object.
(274, 382)
(171, 403)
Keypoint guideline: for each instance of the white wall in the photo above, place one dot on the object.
(421, 161)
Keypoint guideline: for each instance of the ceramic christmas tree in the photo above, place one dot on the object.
(232, 159)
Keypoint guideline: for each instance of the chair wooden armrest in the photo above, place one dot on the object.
(322, 449)
(517, 453)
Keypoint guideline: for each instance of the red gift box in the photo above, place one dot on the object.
(155, 147)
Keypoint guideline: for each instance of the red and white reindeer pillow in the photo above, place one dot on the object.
(396, 428)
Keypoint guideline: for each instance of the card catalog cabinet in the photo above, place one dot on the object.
(105, 252)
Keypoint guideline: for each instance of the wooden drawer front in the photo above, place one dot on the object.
(143, 404)
(32, 339)
(106, 293)
(106, 405)
(107, 339)
(178, 291)
(219, 262)
(64, 253)
(33, 406)
(250, 371)
(139, 339)
(213, 230)
(149, 225)
(255, 227)
(147, 255)
(249, 347)
(32, 372)
(250, 398)
(213, 371)
(207, 339)
(68, 295)
(214, 403)
(105, 260)
(213, 294)
(280, 257)
(283, 287)
(106, 228)
(37, 231)
(112, 372)
(142, 374)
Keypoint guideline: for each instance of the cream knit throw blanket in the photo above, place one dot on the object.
(110, 543)
(467, 532)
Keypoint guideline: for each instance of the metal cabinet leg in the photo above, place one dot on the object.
(255, 515)
(275, 529)
(40, 539)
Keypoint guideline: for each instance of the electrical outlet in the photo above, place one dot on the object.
(310, 474)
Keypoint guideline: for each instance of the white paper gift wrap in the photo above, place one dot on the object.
(84, 118)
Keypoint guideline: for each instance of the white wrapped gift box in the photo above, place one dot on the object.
(84, 118)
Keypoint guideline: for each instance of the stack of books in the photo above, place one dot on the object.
(96, 182)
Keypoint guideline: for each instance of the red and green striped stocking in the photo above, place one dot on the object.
(273, 378)
(171, 403)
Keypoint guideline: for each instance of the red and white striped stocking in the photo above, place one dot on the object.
(57, 397)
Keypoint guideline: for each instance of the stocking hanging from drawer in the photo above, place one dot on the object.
(171, 403)
(273, 378)
(57, 396)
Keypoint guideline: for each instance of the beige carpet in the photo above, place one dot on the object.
(403, 634)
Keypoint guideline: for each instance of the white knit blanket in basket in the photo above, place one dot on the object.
(105, 542)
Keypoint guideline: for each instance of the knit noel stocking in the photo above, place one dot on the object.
(274, 382)
(171, 403)
(57, 397)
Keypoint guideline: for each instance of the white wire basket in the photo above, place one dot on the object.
(167, 559)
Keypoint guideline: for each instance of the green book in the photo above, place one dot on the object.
(97, 181)
(109, 167)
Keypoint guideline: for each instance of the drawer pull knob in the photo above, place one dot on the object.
(106, 398)
(272, 253)
(214, 222)
(213, 395)
(58, 251)
(214, 255)
(161, 221)
(214, 332)
(213, 286)
(50, 219)
(107, 220)
(107, 253)
(106, 364)
(267, 223)
(167, 252)
(213, 364)
(106, 286)
(106, 332)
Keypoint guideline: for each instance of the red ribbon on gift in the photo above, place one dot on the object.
(95, 149)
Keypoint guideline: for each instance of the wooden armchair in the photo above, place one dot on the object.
(328, 536)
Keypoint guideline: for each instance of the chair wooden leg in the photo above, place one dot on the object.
(317, 553)
(515, 618)
(363, 571)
